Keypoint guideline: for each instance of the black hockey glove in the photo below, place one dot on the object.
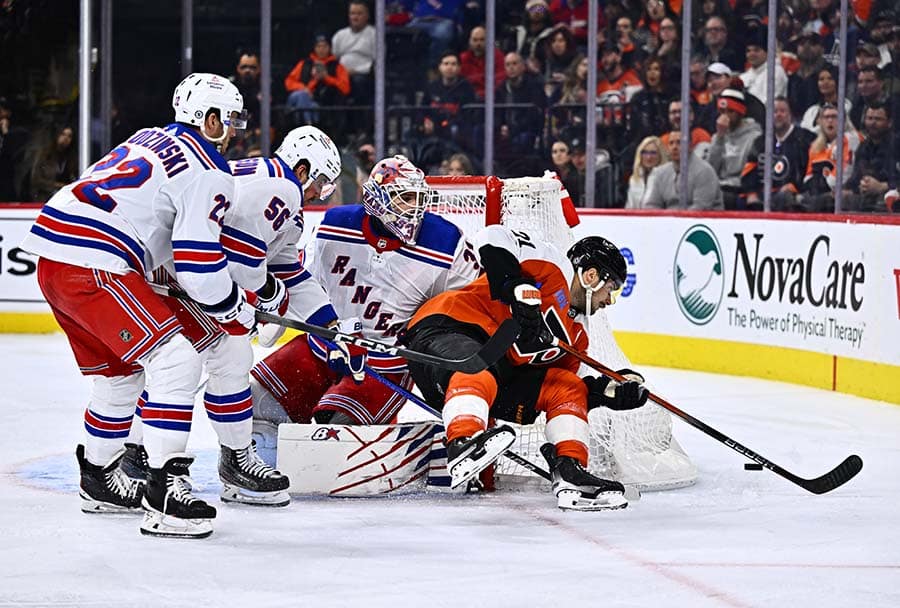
(603, 391)
(525, 306)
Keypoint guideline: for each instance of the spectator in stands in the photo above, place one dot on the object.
(649, 107)
(246, 79)
(606, 186)
(755, 76)
(574, 15)
(669, 47)
(614, 76)
(821, 168)
(654, 11)
(891, 71)
(316, 81)
(554, 56)
(519, 128)
(803, 85)
(703, 191)
(446, 96)
(459, 164)
(790, 154)
(632, 54)
(13, 145)
(731, 144)
(561, 159)
(538, 25)
(699, 135)
(354, 46)
(55, 165)
(439, 19)
(870, 91)
(718, 78)
(572, 93)
(827, 82)
(472, 62)
(716, 48)
(700, 93)
(650, 154)
(883, 23)
(875, 170)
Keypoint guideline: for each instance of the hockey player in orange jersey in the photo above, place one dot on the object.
(548, 295)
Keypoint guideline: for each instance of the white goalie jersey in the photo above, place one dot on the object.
(383, 281)
(260, 235)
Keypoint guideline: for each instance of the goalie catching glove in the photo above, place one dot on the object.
(525, 305)
(606, 392)
(344, 358)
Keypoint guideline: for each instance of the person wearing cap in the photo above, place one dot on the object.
(731, 144)
(718, 78)
(875, 171)
(755, 78)
(664, 185)
(317, 80)
(716, 48)
(615, 77)
(803, 85)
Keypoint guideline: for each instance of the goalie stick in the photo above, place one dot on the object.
(632, 493)
(834, 478)
(487, 355)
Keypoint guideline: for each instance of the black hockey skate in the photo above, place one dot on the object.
(105, 489)
(469, 456)
(248, 480)
(171, 509)
(134, 462)
(576, 489)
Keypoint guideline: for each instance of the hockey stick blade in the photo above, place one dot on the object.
(831, 480)
(487, 355)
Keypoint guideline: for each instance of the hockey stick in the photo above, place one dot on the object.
(490, 352)
(632, 493)
(487, 355)
(834, 478)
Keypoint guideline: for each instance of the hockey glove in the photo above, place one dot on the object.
(272, 297)
(348, 359)
(534, 336)
(269, 334)
(240, 319)
(606, 392)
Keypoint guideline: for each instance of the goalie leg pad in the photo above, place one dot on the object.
(345, 460)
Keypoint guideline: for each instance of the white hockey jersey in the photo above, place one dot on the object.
(158, 198)
(383, 281)
(261, 232)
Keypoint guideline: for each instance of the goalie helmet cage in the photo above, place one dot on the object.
(635, 447)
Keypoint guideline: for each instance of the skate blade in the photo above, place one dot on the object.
(93, 507)
(159, 524)
(572, 500)
(467, 468)
(238, 495)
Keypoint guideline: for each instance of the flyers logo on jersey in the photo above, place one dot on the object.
(548, 355)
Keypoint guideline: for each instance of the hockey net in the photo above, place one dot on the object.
(635, 447)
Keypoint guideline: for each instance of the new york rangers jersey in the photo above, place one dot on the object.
(383, 281)
(157, 198)
(260, 235)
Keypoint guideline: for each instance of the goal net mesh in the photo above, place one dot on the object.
(635, 447)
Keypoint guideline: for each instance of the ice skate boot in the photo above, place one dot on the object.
(134, 462)
(578, 490)
(106, 489)
(248, 480)
(468, 456)
(171, 509)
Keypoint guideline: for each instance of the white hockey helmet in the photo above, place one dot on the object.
(312, 145)
(396, 194)
(199, 93)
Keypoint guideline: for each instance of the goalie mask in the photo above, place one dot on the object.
(397, 195)
(199, 93)
(599, 253)
(312, 145)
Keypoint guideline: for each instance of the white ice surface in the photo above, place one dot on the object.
(737, 538)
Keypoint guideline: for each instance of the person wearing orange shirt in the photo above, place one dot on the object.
(318, 80)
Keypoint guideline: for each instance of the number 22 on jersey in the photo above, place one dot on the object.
(111, 173)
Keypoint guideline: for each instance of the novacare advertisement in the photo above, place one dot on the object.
(827, 287)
